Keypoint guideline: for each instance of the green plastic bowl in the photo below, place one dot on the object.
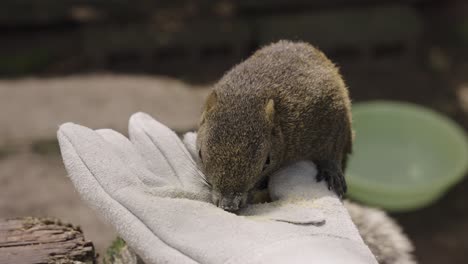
(404, 156)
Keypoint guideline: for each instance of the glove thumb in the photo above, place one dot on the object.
(298, 181)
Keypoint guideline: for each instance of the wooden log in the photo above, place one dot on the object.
(33, 240)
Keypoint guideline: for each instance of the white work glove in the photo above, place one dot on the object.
(151, 191)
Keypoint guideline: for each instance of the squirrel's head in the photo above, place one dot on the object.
(235, 146)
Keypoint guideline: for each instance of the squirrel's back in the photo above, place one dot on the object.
(312, 104)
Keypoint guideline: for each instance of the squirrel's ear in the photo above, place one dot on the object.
(209, 105)
(270, 110)
(211, 101)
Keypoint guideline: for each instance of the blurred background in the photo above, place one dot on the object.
(95, 62)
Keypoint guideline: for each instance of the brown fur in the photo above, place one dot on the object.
(288, 100)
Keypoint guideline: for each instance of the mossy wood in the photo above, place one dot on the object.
(120, 253)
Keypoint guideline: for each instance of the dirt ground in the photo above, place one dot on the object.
(33, 181)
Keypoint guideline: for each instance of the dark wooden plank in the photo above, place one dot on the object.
(32, 240)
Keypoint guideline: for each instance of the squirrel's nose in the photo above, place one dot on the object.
(229, 204)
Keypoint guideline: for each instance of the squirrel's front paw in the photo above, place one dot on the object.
(333, 175)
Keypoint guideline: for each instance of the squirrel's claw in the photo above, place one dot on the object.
(333, 175)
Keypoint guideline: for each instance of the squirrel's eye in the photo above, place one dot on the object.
(199, 155)
(267, 163)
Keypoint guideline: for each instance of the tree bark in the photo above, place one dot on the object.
(33, 240)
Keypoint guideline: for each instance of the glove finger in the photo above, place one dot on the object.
(163, 151)
(298, 181)
(98, 156)
(190, 141)
(155, 161)
(123, 148)
(137, 235)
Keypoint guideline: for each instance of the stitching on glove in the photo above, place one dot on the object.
(314, 223)
(182, 147)
(164, 155)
